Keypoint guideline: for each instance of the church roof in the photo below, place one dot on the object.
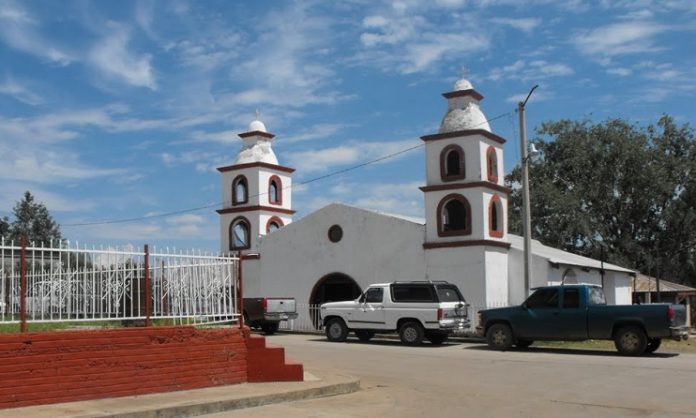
(556, 256)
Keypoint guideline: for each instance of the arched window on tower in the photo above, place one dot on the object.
(452, 163)
(495, 217)
(492, 164)
(275, 191)
(454, 216)
(240, 191)
(273, 224)
(239, 234)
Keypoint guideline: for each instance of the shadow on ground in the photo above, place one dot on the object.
(571, 351)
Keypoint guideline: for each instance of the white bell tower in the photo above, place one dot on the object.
(256, 192)
(466, 200)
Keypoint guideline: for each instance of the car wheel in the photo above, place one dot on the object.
(270, 329)
(523, 343)
(631, 340)
(499, 337)
(336, 330)
(437, 338)
(246, 320)
(364, 335)
(411, 333)
(653, 345)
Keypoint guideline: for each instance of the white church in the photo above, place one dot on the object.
(334, 252)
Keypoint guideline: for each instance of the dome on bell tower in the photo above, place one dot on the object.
(257, 145)
(463, 111)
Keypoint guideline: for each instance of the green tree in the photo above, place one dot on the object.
(33, 221)
(615, 185)
(4, 227)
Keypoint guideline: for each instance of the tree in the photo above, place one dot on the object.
(4, 227)
(33, 221)
(615, 185)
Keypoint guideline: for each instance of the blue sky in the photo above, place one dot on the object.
(114, 110)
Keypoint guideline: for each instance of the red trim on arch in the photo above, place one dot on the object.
(237, 180)
(275, 219)
(465, 132)
(492, 166)
(239, 219)
(444, 154)
(279, 190)
(467, 213)
(496, 205)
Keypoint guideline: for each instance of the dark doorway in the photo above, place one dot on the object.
(334, 287)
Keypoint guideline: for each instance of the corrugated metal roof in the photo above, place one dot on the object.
(556, 256)
(644, 284)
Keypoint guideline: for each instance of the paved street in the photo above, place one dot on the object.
(467, 380)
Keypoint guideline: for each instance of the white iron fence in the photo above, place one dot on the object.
(60, 283)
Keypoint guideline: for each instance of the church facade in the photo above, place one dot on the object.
(334, 252)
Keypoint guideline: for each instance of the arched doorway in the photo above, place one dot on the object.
(334, 287)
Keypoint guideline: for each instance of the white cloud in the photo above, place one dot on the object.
(318, 131)
(530, 70)
(526, 25)
(636, 37)
(353, 153)
(21, 31)
(620, 71)
(113, 59)
(20, 92)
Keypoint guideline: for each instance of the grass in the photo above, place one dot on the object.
(62, 326)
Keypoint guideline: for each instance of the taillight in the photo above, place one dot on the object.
(439, 314)
(670, 313)
(264, 304)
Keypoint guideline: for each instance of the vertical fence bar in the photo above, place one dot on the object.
(23, 285)
(241, 292)
(147, 286)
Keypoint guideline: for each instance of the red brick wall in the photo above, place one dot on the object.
(50, 367)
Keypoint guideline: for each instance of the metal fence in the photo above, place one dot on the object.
(61, 283)
(309, 320)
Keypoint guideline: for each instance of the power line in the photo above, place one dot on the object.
(222, 204)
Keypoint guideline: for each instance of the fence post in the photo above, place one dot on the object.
(147, 286)
(23, 285)
(240, 292)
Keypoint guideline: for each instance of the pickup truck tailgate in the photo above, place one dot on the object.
(280, 305)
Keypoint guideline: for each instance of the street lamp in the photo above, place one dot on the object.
(526, 217)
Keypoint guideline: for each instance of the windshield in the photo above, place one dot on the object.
(449, 293)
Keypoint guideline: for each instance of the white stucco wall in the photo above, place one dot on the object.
(374, 248)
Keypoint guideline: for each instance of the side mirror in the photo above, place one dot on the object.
(362, 298)
(524, 306)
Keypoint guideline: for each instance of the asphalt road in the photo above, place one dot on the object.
(468, 380)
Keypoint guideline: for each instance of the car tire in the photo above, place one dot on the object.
(336, 330)
(630, 340)
(653, 345)
(499, 337)
(523, 343)
(411, 333)
(437, 338)
(270, 329)
(364, 335)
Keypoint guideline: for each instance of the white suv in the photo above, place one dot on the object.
(416, 310)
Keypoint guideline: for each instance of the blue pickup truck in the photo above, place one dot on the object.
(580, 312)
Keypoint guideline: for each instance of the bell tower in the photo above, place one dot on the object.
(256, 192)
(466, 199)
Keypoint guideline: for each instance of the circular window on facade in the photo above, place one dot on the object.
(335, 233)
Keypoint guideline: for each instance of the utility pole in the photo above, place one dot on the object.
(526, 215)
